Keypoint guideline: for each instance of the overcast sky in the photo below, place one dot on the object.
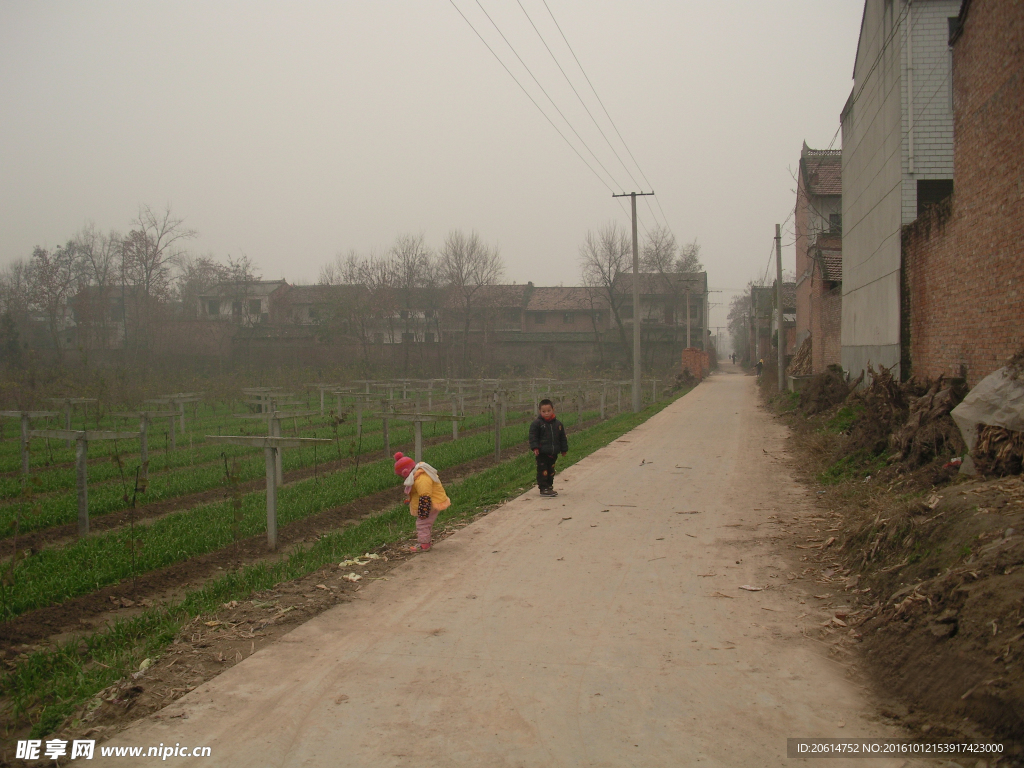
(292, 131)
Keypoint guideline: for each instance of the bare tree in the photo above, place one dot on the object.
(468, 266)
(411, 268)
(98, 255)
(51, 283)
(14, 309)
(196, 276)
(689, 258)
(603, 255)
(659, 251)
(147, 254)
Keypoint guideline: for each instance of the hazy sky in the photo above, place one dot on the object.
(292, 131)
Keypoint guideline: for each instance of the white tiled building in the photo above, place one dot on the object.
(897, 156)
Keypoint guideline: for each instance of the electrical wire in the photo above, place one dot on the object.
(534, 101)
(544, 91)
(605, 109)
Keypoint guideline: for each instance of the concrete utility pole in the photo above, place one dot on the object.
(778, 300)
(636, 303)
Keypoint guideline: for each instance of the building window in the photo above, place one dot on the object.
(626, 313)
(512, 315)
(404, 314)
(236, 308)
(213, 307)
(428, 337)
(408, 338)
(254, 306)
(568, 318)
(378, 337)
(931, 192)
(539, 318)
(835, 223)
(428, 314)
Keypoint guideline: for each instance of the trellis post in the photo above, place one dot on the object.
(82, 439)
(271, 453)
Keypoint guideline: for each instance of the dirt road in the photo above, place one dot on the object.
(605, 627)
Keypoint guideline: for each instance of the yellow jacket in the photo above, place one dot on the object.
(423, 486)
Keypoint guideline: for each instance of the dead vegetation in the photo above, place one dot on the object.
(932, 562)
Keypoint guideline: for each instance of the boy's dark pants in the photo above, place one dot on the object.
(546, 470)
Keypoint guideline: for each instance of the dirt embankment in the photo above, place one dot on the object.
(931, 562)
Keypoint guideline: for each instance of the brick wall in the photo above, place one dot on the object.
(830, 348)
(964, 262)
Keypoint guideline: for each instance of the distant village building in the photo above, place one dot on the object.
(246, 303)
(819, 255)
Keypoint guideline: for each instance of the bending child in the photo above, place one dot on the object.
(547, 440)
(425, 496)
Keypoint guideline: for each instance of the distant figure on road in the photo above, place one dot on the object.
(425, 496)
(759, 367)
(734, 358)
(547, 440)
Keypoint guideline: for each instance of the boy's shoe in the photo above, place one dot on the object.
(419, 548)
(548, 492)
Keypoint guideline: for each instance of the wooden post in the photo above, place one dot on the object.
(67, 422)
(359, 418)
(387, 437)
(272, 456)
(82, 438)
(144, 445)
(81, 462)
(24, 444)
(455, 423)
(654, 390)
(418, 451)
(170, 433)
(275, 431)
(497, 435)
(604, 387)
(271, 453)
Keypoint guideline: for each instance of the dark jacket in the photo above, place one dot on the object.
(548, 436)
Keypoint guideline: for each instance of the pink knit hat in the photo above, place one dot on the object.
(403, 465)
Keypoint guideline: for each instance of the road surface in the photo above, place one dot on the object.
(605, 627)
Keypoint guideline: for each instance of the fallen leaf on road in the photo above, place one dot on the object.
(752, 589)
(321, 586)
(212, 623)
(353, 577)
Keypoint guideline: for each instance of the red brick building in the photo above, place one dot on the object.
(819, 254)
(963, 260)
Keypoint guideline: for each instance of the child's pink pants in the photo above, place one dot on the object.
(424, 526)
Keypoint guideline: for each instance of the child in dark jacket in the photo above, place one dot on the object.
(547, 440)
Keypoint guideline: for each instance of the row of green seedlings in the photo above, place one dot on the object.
(60, 508)
(56, 574)
(50, 684)
(195, 452)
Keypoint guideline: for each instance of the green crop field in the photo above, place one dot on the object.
(41, 687)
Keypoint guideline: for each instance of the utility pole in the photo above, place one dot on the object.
(636, 303)
(778, 301)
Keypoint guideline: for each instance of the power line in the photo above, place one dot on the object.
(567, 122)
(546, 117)
(605, 109)
(582, 103)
